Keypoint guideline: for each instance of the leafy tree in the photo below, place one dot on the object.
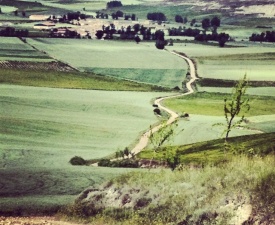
(137, 39)
(158, 16)
(205, 24)
(126, 152)
(113, 4)
(99, 34)
(215, 23)
(119, 13)
(178, 19)
(222, 39)
(236, 105)
(126, 17)
(136, 28)
(160, 41)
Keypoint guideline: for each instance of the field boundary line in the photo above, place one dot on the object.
(144, 139)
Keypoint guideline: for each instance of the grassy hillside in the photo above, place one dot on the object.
(43, 128)
(226, 194)
(212, 152)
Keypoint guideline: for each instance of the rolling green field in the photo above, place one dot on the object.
(231, 63)
(266, 91)
(12, 48)
(206, 109)
(43, 128)
(138, 62)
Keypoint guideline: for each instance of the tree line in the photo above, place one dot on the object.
(268, 36)
(12, 32)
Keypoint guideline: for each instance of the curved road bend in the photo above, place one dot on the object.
(173, 115)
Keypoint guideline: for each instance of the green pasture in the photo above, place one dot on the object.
(43, 128)
(231, 63)
(139, 62)
(203, 103)
(206, 109)
(73, 80)
(266, 91)
(7, 9)
(200, 128)
(12, 48)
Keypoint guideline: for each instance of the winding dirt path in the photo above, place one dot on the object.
(173, 115)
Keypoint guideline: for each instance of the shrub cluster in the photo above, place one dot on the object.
(77, 161)
(125, 163)
(158, 16)
(268, 36)
(113, 4)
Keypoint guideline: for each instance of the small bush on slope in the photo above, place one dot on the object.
(209, 195)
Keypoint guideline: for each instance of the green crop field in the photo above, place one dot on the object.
(232, 63)
(43, 128)
(13, 49)
(140, 62)
(266, 91)
(206, 109)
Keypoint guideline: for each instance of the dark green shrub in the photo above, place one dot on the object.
(104, 162)
(77, 161)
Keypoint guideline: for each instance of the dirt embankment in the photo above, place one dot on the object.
(32, 221)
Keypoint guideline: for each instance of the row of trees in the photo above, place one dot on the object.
(184, 32)
(268, 36)
(221, 38)
(127, 33)
(214, 23)
(12, 32)
(116, 15)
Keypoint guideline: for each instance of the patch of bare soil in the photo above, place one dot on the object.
(32, 221)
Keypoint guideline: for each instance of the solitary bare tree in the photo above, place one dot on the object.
(236, 105)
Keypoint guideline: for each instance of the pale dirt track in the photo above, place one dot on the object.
(173, 115)
(139, 147)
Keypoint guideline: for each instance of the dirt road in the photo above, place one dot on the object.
(173, 115)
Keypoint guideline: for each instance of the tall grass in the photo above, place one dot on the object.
(209, 195)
